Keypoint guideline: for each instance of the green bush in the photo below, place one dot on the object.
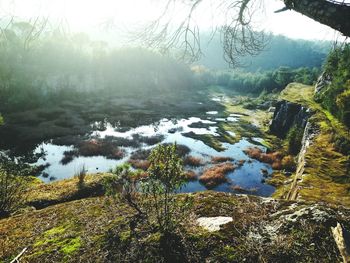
(336, 96)
(153, 194)
(294, 139)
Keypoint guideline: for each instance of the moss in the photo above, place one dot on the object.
(207, 139)
(71, 245)
(125, 235)
(325, 177)
(277, 179)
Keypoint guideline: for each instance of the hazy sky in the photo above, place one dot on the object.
(92, 15)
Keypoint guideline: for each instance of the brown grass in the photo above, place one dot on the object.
(238, 188)
(274, 158)
(288, 163)
(190, 175)
(139, 164)
(193, 161)
(240, 163)
(96, 147)
(215, 175)
(220, 159)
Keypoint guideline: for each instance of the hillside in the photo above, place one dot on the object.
(97, 229)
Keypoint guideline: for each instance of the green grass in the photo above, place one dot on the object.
(325, 177)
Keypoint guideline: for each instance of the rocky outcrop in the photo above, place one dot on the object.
(342, 239)
(213, 224)
(288, 114)
(323, 81)
(309, 133)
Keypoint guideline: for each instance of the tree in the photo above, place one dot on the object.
(239, 37)
(153, 196)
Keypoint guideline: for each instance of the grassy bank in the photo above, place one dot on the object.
(326, 175)
(98, 229)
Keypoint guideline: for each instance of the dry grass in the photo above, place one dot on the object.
(95, 147)
(240, 163)
(139, 164)
(220, 159)
(190, 175)
(274, 158)
(288, 163)
(216, 175)
(42, 195)
(193, 161)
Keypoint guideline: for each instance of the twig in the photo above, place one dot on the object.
(16, 259)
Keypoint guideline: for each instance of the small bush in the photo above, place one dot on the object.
(152, 193)
(12, 188)
(80, 175)
(288, 163)
(294, 139)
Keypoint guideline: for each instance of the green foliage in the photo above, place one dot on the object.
(335, 97)
(1, 120)
(258, 82)
(153, 197)
(166, 176)
(294, 139)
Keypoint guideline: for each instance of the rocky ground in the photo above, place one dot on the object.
(97, 229)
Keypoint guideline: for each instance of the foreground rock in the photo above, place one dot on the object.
(247, 229)
(213, 224)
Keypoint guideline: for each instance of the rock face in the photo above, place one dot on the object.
(213, 224)
(341, 238)
(286, 115)
(310, 132)
(323, 81)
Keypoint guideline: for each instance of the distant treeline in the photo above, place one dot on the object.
(280, 51)
(257, 82)
(38, 69)
(57, 66)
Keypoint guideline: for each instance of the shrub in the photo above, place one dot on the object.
(153, 196)
(288, 163)
(12, 188)
(81, 174)
(294, 139)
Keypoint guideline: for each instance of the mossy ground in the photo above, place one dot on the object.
(98, 229)
(326, 176)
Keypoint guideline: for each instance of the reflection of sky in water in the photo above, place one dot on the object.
(247, 176)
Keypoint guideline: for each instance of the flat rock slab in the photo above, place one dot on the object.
(213, 224)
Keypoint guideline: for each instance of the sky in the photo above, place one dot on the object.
(122, 16)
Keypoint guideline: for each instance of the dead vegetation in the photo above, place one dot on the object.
(193, 161)
(216, 175)
(275, 159)
(221, 159)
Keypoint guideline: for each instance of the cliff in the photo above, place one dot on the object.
(322, 172)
